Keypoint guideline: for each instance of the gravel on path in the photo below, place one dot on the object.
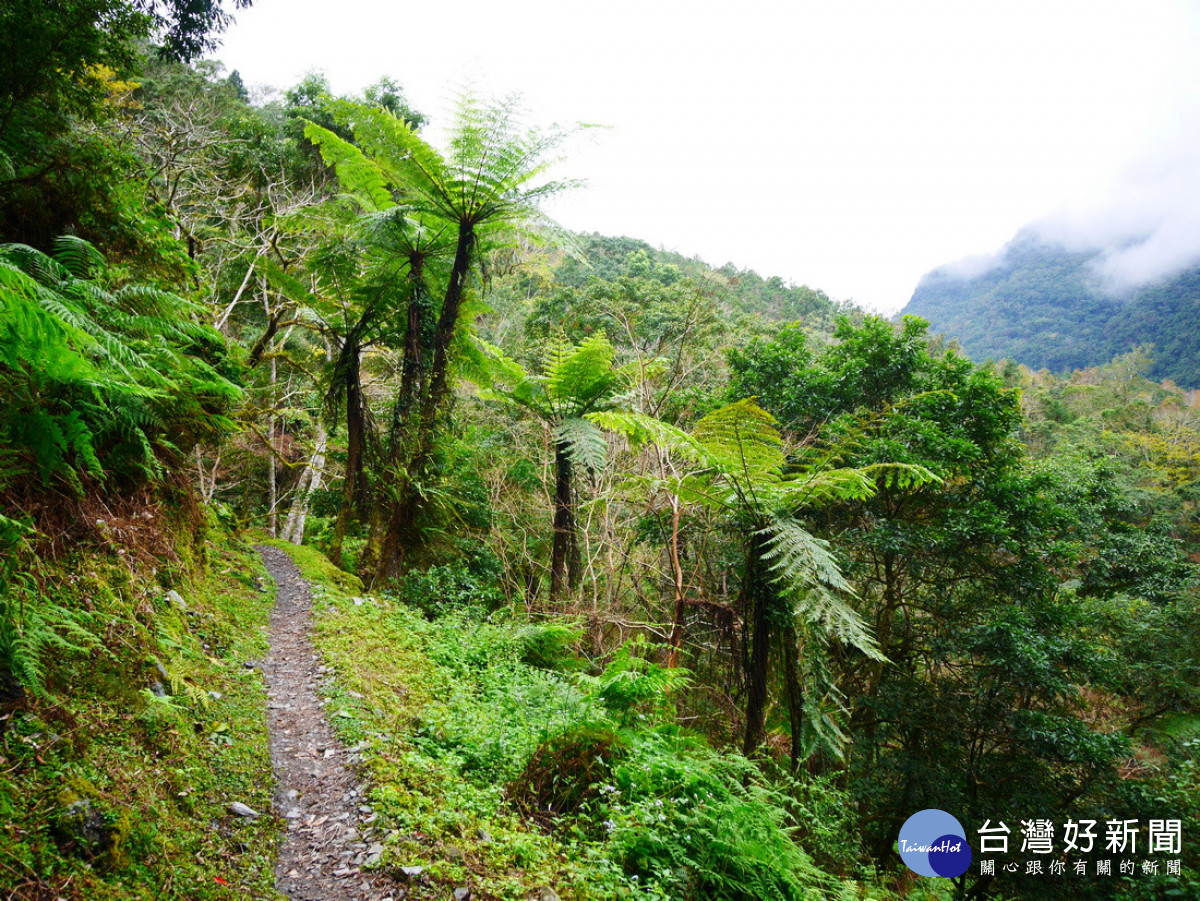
(330, 833)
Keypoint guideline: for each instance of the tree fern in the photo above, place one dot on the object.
(485, 186)
(577, 382)
(733, 460)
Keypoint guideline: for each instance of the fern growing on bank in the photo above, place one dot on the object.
(99, 381)
(32, 625)
(105, 390)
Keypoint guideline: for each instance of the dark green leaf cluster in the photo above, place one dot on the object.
(115, 384)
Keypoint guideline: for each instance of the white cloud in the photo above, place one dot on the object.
(851, 146)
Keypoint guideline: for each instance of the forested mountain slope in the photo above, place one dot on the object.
(635, 579)
(1043, 306)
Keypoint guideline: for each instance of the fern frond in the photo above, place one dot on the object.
(901, 475)
(42, 268)
(408, 160)
(641, 429)
(30, 335)
(577, 377)
(31, 631)
(585, 443)
(77, 256)
(805, 570)
(505, 369)
(360, 176)
(744, 440)
(816, 488)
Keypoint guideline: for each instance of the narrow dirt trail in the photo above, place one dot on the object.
(329, 825)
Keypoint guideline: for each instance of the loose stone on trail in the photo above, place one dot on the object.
(329, 835)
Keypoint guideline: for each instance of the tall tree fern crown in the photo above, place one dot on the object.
(493, 171)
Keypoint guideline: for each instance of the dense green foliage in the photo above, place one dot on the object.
(500, 737)
(112, 385)
(683, 582)
(1044, 307)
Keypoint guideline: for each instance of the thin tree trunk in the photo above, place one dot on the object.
(224, 317)
(200, 473)
(272, 484)
(355, 442)
(676, 639)
(310, 483)
(756, 605)
(564, 562)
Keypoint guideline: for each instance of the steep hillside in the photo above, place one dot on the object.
(1043, 306)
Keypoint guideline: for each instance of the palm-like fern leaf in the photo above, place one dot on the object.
(805, 570)
(585, 443)
(744, 441)
(360, 176)
(582, 377)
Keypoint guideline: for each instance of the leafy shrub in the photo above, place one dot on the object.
(493, 710)
(678, 819)
(567, 771)
(549, 646)
(697, 824)
(445, 588)
(632, 686)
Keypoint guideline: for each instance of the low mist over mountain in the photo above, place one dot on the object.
(1051, 304)
(1089, 283)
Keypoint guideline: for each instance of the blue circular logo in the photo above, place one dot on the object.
(933, 843)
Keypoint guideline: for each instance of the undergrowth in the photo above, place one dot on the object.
(140, 724)
(496, 764)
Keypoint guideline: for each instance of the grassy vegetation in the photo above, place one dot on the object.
(495, 762)
(116, 784)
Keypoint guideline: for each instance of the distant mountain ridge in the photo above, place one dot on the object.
(1042, 305)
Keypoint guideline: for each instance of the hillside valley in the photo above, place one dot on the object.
(366, 535)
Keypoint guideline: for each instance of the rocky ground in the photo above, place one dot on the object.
(330, 834)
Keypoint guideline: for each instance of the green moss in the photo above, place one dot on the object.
(145, 760)
(315, 566)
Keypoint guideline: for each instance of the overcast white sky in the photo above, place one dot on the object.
(851, 146)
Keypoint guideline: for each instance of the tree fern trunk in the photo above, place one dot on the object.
(564, 562)
(756, 607)
(400, 536)
(790, 648)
